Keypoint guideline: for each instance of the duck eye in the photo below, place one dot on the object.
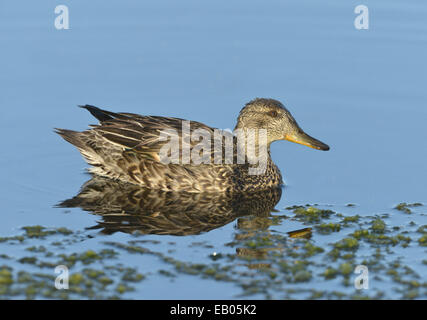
(273, 113)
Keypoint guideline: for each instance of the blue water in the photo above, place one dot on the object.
(363, 92)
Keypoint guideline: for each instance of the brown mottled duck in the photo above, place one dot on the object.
(128, 147)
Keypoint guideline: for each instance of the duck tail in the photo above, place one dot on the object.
(73, 137)
(79, 140)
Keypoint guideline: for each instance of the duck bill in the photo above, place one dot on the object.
(306, 140)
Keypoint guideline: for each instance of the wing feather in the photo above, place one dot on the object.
(141, 134)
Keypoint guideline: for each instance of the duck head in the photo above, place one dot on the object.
(271, 115)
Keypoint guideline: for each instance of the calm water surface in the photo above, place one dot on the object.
(363, 92)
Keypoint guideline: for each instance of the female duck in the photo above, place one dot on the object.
(130, 148)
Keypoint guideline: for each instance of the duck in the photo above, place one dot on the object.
(149, 151)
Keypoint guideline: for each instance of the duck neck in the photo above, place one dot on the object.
(253, 149)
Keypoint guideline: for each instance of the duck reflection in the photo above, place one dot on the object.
(128, 208)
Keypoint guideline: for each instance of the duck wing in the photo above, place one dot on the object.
(142, 134)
